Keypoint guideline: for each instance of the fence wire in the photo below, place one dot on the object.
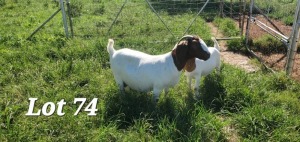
(269, 40)
(120, 21)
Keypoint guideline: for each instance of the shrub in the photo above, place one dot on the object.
(268, 44)
(236, 45)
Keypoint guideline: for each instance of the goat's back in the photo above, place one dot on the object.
(141, 71)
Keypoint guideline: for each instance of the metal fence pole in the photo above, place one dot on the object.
(43, 24)
(116, 17)
(294, 40)
(248, 23)
(64, 17)
(70, 17)
(222, 8)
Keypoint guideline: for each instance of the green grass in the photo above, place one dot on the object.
(283, 10)
(50, 67)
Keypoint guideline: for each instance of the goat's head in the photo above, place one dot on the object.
(189, 47)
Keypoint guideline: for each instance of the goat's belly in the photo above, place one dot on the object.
(138, 83)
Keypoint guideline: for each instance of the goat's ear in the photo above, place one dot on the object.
(179, 54)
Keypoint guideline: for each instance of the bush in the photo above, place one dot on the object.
(268, 44)
(236, 45)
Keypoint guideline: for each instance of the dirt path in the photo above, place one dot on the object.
(229, 57)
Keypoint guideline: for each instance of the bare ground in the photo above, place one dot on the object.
(275, 61)
(229, 57)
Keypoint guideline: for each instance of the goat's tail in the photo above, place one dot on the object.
(110, 47)
(216, 44)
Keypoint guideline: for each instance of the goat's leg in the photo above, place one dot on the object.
(197, 85)
(219, 68)
(189, 81)
(121, 87)
(156, 92)
(120, 84)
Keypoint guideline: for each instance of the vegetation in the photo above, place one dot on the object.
(227, 26)
(259, 106)
(283, 10)
(268, 44)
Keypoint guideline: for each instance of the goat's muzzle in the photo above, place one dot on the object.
(205, 56)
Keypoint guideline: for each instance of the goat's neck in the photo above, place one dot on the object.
(179, 63)
(190, 65)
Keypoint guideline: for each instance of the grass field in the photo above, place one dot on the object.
(258, 106)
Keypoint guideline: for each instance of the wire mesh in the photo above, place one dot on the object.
(89, 21)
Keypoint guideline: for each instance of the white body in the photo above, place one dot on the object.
(143, 72)
(204, 68)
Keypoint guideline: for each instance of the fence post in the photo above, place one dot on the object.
(248, 23)
(64, 17)
(231, 9)
(243, 17)
(222, 8)
(292, 50)
(70, 18)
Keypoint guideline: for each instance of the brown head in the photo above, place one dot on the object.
(189, 47)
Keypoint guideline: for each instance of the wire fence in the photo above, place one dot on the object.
(270, 39)
(161, 14)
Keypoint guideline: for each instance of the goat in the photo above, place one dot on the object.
(143, 72)
(196, 68)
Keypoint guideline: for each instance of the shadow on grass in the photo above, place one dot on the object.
(126, 109)
(180, 113)
(213, 92)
